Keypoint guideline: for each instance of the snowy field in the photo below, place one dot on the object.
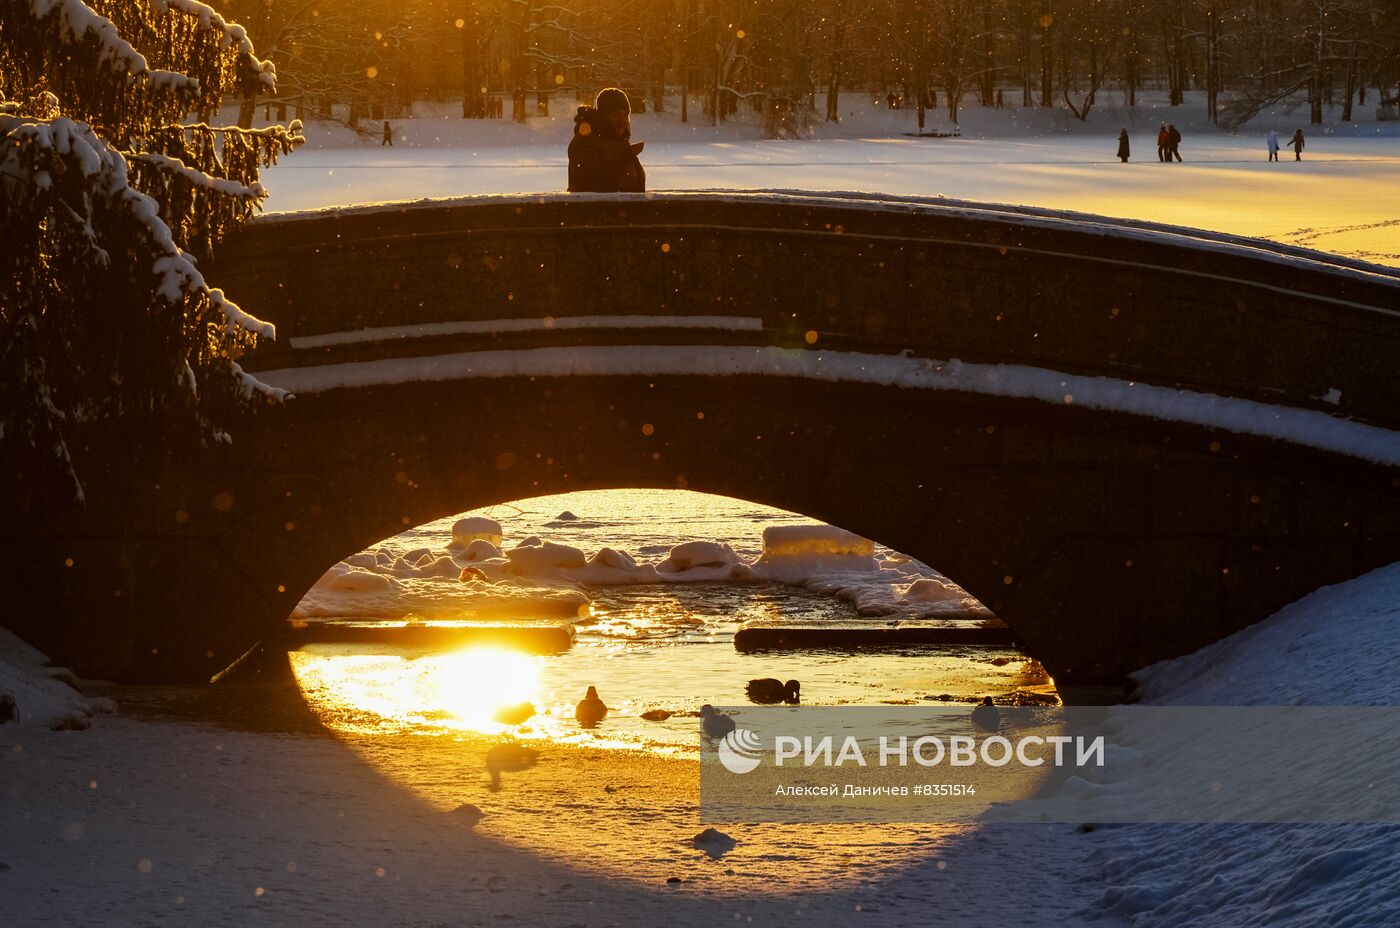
(1342, 198)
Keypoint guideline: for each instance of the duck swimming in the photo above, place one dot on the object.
(512, 716)
(986, 716)
(591, 710)
(714, 723)
(768, 691)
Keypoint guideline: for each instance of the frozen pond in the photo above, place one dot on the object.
(1342, 198)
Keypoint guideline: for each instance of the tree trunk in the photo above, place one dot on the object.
(474, 80)
(989, 70)
(718, 74)
(1047, 55)
(833, 85)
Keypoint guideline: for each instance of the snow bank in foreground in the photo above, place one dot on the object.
(44, 696)
(471, 577)
(1335, 647)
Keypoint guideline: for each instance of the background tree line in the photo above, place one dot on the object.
(788, 62)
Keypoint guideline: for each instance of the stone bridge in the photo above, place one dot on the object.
(1127, 440)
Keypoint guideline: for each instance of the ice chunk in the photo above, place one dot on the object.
(799, 553)
(609, 557)
(480, 550)
(465, 531)
(928, 590)
(441, 567)
(355, 580)
(693, 554)
(813, 541)
(544, 557)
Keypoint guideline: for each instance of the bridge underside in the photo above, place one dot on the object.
(1106, 542)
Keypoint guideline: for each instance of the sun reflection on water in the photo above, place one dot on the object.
(460, 690)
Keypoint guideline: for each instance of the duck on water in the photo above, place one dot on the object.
(768, 691)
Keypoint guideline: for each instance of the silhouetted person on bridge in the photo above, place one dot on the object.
(1123, 149)
(1297, 143)
(388, 135)
(602, 156)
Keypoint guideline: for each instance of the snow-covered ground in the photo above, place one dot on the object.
(143, 821)
(1341, 198)
(1333, 648)
(35, 696)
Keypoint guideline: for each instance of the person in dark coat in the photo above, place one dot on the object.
(1164, 141)
(388, 136)
(1173, 143)
(1123, 146)
(602, 155)
(1297, 143)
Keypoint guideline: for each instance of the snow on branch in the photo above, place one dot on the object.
(231, 188)
(233, 35)
(252, 386)
(77, 22)
(106, 169)
(62, 177)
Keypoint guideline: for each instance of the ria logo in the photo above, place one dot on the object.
(740, 751)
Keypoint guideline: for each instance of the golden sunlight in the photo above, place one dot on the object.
(482, 689)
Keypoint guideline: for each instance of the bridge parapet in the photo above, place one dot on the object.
(935, 279)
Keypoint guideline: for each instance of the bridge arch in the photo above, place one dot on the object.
(1128, 441)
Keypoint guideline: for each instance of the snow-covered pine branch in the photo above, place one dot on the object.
(123, 352)
(125, 67)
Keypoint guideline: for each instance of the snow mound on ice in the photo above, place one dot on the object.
(696, 554)
(355, 580)
(534, 559)
(930, 590)
(44, 696)
(549, 578)
(465, 531)
(616, 560)
(480, 550)
(813, 541)
(794, 553)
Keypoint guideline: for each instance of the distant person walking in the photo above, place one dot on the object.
(602, 155)
(388, 135)
(1163, 141)
(1271, 140)
(1297, 143)
(1173, 143)
(1123, 146)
